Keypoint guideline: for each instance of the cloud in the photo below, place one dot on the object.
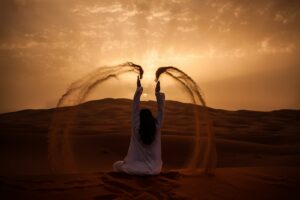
(266, 46)
(85, 10)
(186, 29)
(285, 17)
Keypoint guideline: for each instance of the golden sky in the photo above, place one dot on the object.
(243, 54)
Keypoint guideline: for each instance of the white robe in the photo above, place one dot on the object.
(143, 159)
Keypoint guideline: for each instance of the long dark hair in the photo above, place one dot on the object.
(147, 128)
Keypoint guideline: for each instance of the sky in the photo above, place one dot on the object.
(242, 54)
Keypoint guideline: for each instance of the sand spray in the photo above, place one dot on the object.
(60, 152)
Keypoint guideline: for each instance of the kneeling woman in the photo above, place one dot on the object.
(144, 153)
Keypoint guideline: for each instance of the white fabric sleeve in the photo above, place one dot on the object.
(135, 115)
(160, 98)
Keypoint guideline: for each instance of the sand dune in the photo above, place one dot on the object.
(258, 155)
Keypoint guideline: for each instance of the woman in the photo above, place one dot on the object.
(144, 153)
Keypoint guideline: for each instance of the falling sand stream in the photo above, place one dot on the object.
(60, 146)
(204, 154)
(60, 152)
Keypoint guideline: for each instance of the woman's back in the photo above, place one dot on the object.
(143, 158)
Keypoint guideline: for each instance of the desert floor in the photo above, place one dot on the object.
(258, 155)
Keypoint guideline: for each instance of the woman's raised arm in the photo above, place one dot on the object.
(135, 115)
(160, 98)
